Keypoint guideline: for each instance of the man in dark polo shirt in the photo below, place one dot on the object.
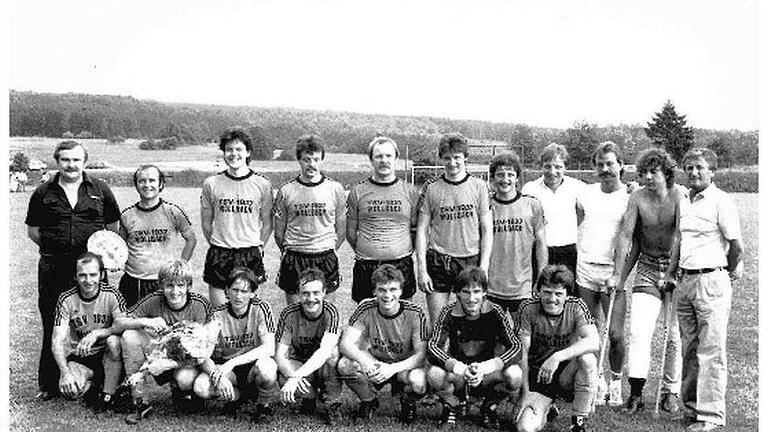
(63, 212)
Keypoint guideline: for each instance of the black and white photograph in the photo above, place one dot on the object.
(395, 215)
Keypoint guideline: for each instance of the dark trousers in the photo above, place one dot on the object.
(55, 274)
(565, 255)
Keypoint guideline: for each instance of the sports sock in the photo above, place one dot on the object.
(636, 386)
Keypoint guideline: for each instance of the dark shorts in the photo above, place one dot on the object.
(92, 362)
(293, 263)
(219, 263)
(565, 255)
(362, 288)
(134, 289)
(553, 390)
(444, 269)
(511, 306)
(242, 372)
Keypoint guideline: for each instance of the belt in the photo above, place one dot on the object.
(700, 271)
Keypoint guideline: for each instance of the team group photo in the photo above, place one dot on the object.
(344, 216)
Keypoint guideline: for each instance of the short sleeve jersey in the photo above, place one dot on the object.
(237, 204)
(85, 315)
(602, 221)
(559, 208)
(197, 309)
(242, 333)
(309, 211)
(472, 340)
(706, 224)
(455, 210)
(384, 213)
(149, 235)
(550, 334)
(302, 333)
(391, 338)
(515, 223)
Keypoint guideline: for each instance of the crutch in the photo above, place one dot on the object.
(604, 338)
(666, 301)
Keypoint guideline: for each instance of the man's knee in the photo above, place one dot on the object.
(513, 377)
(185, 377)
(265, 371)
(131, 340)
(203, 386)
(114, 347)
(417, 379)
(437, 377)
(347, 366)
(529, 421)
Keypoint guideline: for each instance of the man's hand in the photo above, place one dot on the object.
(473, 376)
(157, 324)
(666, 283)
(382, 373)
(225, 389)
(737, 272)
(425, 282)
(220, 372)
(67, 385)
(612, 284)
(548, 369)
(83, 348)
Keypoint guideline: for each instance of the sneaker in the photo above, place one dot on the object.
(614, 393)
(105, 402)
(333, 416)
(578, 424)
(490, 420)
(367, 408)
(602, 392)
(462, 409)
(140, 411)
(670, 403)
(634, 405)
(308, 406)
(448, 418)
(45, 395)
(262, 413)
(407, 412)
(703, 426)
(553, 413)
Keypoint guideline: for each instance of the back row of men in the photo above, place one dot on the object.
(508, 235)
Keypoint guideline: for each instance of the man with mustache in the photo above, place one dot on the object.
(601, 207)
(63, 212)
(381, 221)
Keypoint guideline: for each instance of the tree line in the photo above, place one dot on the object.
(169, 125)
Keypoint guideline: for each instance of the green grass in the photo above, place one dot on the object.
(26, 413)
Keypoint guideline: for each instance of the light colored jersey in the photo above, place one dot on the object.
(86, 315)
(510, 274)
(548, 333)
(706, 225)
(559, 208)
(149, 234)
(309, 211)
(236, 203)
(242, 333)
(391, 338)
(602, 220)
(384, 213)
(303, 334)
(197, 309)
(455, 210)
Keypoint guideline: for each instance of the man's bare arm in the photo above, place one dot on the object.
(33, 233)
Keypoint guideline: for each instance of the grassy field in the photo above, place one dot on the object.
(26, 413)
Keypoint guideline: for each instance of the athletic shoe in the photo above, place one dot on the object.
(614, 393)
(703, 426)
(45, 395)
(105, 402)
(308, 406)
(367, 408)
(448, 418)
(407, 412)
(333, 416)
(140, 411)
(462, 409)
(553, 413)
(634, 405)
(262, 413)
(490, 420)
(602, 392)
(670, 403)
(578, 424)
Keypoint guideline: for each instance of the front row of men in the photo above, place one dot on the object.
(472, 350)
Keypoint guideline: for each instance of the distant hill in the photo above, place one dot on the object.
(108, 116)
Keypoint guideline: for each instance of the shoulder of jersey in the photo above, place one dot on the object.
(68, 293)
(291, 308)
(367, 304)
(194, 296)
(430, 181)
(220, 308)
(411, 306)
(293, 180)
(533, 301)
(576, 302)
(129, 208)
(362, 182)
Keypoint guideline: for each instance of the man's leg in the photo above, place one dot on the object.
(54, 276)
(216, 295)
(113, 364)
(592, 299)
(358, 382)
(533, 416)
(617, 348)
(689, 341)
(642, 323)
(580, 376)
(672, 358)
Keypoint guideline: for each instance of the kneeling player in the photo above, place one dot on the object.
(241, 365)
(154, 314)
(395, 332)
(559, 341)
(306, 355)
(85, 343)
(466, 337)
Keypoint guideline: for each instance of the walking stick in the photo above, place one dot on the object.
(667, 303)
(604, 338)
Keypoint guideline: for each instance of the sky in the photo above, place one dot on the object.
(541, 63)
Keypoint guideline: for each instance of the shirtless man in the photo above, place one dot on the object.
(651, 217)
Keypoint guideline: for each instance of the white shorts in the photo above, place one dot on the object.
(592, 276)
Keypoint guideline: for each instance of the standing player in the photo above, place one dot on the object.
(464, 347)
(603, 205)
(455, 227)
(518, 227)
(395, 333)
(559, 340)
(86, 345)
(309, 221)
(307, 355)
(149, 227)
(235, 215)
(154, 314)
(652, 216)
(242, 359)
(381, 221)
(710, 252)
(557, 193)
